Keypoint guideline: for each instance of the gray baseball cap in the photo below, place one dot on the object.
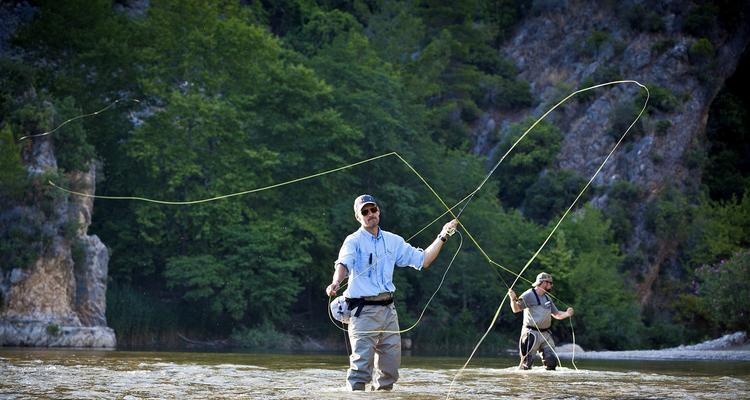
(360, 202)
(542, 277)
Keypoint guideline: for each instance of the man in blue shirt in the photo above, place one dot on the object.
(368, 257)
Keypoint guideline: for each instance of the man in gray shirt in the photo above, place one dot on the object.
(538, 310)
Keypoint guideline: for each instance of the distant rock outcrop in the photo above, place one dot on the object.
(58, 300)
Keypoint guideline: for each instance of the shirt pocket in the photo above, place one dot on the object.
(363, 263)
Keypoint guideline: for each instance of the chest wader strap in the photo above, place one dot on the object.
(537, 296)
(359, 303)
(538, 300)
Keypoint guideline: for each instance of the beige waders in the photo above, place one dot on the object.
(371, 346)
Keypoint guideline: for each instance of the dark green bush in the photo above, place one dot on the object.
(595, 43)
(662, 126)
(602, 74)
(264, 337)
(21, 238)
(701, 51)
(701, 20)
(663, 45)
(13, 177)
(621, 117)
(73, 151)
(622, 199)
(668, 215)
(53, 329)
(140, 318)
(642, 19)
(551, 194)
(530, 157)
(695, 158)
(724, 288)
(661, 98)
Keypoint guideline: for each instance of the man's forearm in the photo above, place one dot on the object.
(431, 253)
(340, 273)
(515, 306)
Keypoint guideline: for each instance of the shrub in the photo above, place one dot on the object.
(21, 238)
(71, 145)
(602, 74)
(724, 287)
(661, 98)
(701, 20)
(622, 115)
(551, 194)
(662, 126)
(668, 216)
(695, 158)
(53, 329)
(12, 173)
(139, 318)
(643, 20)
(701, 51)
(530, 157)
(623, 196)
(78, 253)
(264, 337)
(663, 45)
(594, 43)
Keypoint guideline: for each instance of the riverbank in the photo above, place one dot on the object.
(735, 347)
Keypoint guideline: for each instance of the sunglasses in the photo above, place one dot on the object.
(366, 211)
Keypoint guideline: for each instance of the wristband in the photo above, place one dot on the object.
(442, 238)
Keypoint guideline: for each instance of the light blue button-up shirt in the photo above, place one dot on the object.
(370, 261)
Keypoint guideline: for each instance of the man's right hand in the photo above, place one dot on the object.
(512, 295)
(331, 289)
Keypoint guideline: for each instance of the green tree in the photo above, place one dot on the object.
(718, 229)
(607, 313)
(725, 292)
(530, 157)
(12, 172)
(551, 194)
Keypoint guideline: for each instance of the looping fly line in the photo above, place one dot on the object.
(448, 209)
(567, 211)
(112, 104)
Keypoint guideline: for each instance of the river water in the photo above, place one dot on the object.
(94, 374)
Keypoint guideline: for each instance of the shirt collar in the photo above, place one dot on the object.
(362, 231)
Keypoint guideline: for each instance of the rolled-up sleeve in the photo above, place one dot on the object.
(408, 255)
(524, 300)
(347, 253)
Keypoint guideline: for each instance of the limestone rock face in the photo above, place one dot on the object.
(569, 45)
(91, 283)
(60, 299)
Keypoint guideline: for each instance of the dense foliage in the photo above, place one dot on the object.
(241, 95)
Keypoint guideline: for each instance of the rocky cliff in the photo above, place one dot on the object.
(568, 45)
(58, 300)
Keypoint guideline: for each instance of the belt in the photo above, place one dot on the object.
(534, 328)
(359, 303)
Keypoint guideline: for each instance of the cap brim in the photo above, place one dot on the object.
(369, 202)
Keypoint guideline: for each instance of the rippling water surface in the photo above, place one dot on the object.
(87, 374)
